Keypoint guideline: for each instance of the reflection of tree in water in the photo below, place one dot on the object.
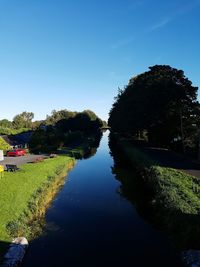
(90, 153)
(90, 146)
(132, 187)
(183, 229)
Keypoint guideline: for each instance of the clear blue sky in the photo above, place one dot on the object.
(74, 54)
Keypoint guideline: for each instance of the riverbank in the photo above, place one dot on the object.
(173, 196)
(26, 194)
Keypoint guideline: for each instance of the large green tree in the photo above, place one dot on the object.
(57, 115)
(5, 123)
(23, 120)
(86, 121)
(161, 101)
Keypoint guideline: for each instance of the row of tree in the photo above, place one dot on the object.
(61, 128)
(160, 103)
(24, 121)
(65, 128)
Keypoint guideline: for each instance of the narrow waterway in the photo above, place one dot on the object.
(91, 224)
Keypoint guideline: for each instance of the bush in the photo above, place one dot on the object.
(4, 145)
(10, 131)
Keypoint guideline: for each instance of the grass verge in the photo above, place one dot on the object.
(26, 194)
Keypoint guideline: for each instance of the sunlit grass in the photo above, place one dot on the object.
(18, 189)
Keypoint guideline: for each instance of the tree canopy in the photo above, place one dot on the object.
(23, 120)
(5, 123)
(57, 115)
(161, 101)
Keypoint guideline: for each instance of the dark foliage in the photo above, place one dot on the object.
(70, 130)
(162, 102)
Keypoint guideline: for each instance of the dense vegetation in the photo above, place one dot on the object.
(21, 123)
(160, 104)
(60, 129)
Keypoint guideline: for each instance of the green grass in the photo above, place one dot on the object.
(177, 190)
(10, 131)
(22, 192)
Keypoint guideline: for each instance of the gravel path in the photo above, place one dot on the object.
(19, 160)
(167, 158)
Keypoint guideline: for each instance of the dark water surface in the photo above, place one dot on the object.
(91, 224)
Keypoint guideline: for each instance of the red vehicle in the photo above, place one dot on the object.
(16, 152)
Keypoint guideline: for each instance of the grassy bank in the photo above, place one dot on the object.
(25, 195)
(175, 196)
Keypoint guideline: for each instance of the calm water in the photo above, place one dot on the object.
(90, 224)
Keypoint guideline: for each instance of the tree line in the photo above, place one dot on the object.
(60, 128)
(24, 121)
(65, 128)
(21, 122)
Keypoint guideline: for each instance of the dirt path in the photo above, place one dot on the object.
(18, 160)
(167, 158)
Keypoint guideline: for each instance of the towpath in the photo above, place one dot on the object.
(167, 158)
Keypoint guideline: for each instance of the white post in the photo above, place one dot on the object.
(1, 155)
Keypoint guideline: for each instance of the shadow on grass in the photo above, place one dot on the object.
(168, 158)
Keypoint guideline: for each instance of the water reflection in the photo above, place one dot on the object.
(85, 148)
(93, 144)
(95, 226)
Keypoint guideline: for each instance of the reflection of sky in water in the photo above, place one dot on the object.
(104, 141)
(91, 224)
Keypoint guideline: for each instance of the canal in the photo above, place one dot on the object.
(91, 224)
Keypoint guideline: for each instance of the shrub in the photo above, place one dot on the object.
(4, 145)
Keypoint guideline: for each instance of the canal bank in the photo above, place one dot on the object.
(26, 194)
(90, 223)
